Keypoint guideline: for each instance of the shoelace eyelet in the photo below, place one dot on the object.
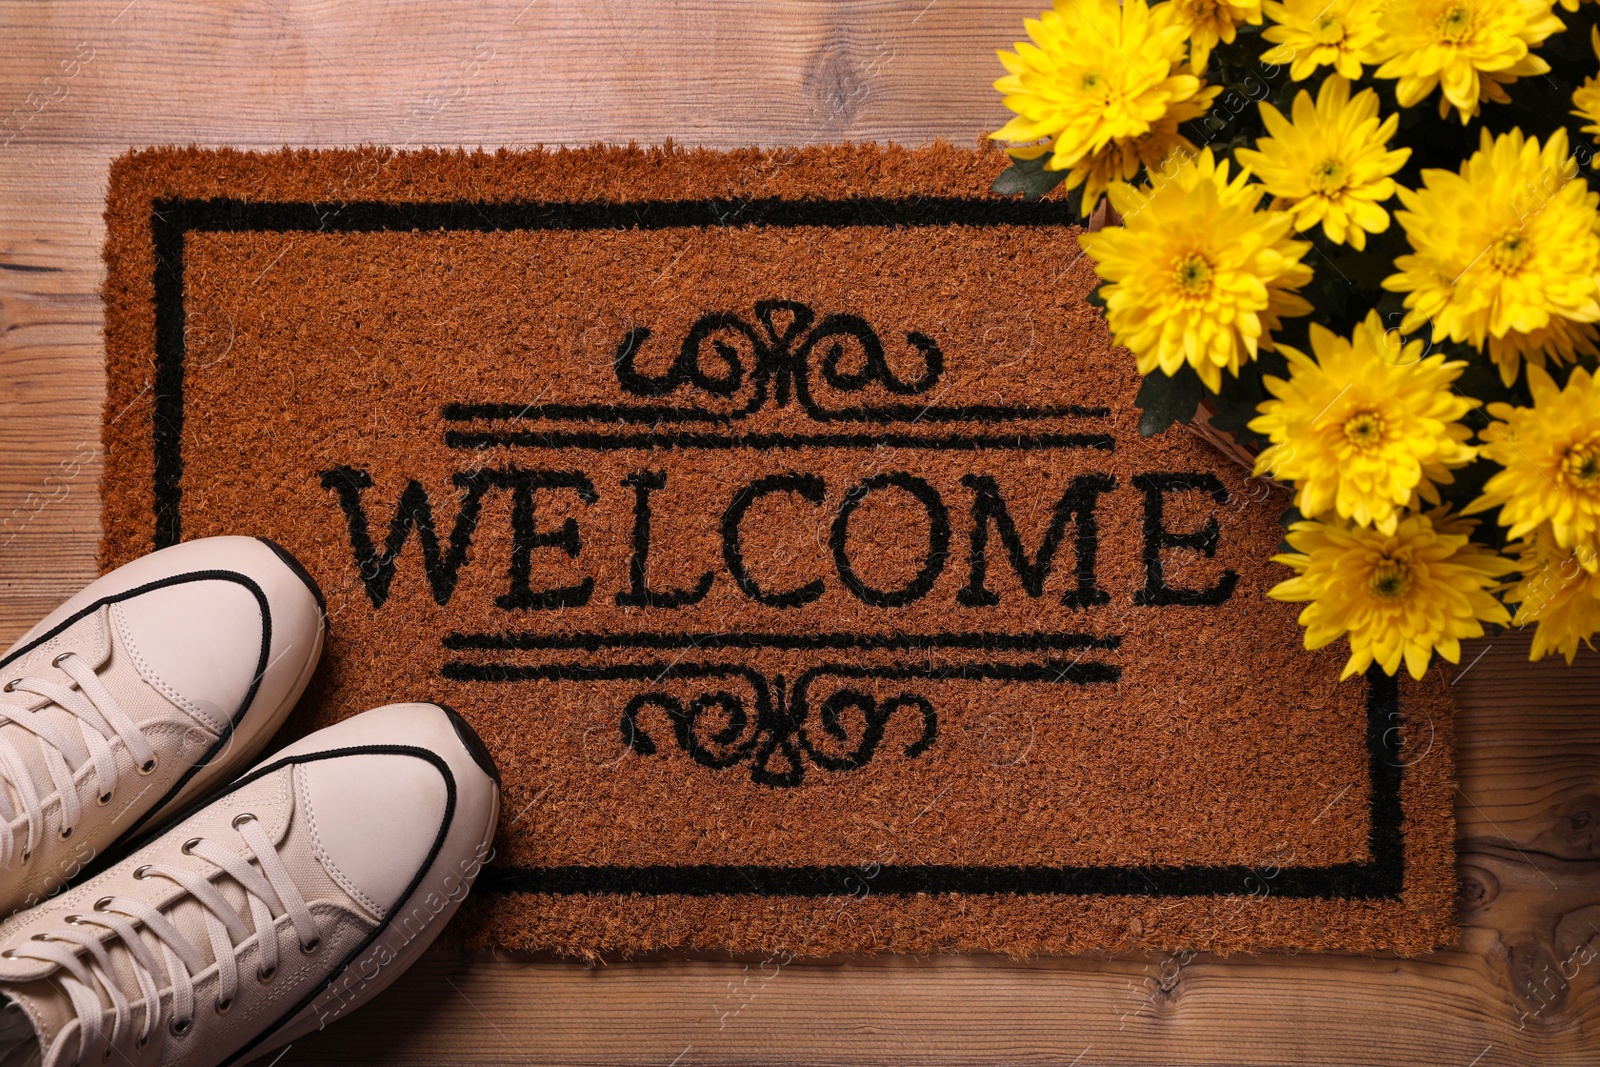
(27, 855)
(223, 1004)
(141, 872)
(188, 846)
(266, 974)
(103, 799)
(75, 920)
(242, 818)
(179, 1027)
(57, 661)
(102, 904)
(66, 833)
(11, 686)
(148, 766)
(144, 1042)
(105, 1057)
(316, 943)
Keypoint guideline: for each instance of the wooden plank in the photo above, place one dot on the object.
(505, 71)
(52, 383)
(85, 80)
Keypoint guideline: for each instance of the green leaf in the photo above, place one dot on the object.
(1236, 406)
(1028, 177)
(1164, 401)
(1095, 299)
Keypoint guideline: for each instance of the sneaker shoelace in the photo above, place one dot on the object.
(82, 948)
(100, 718)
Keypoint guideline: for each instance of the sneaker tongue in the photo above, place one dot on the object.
(292, 835)
(94, 641)
(88, 638)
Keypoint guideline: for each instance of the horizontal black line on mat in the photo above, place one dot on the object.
(646, 414)
(1349, 881)
(172, 218)
(599, 442)
(591, 642)
(356, 216)
(1382, 878)
(1053, 671)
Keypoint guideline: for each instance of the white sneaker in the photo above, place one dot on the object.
(293, 897)
(156, 683)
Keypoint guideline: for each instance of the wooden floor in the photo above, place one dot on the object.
(81, 81)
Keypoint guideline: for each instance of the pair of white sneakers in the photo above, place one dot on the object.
(165, 909)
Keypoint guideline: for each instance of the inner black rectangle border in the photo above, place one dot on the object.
(685, 640)
(172, 219)
(609, 442)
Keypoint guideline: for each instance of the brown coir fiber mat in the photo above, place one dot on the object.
(782, 522)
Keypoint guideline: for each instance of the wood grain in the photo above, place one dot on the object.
(83, 81)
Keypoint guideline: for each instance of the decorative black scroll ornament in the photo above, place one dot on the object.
(718, 731)
(781, 346)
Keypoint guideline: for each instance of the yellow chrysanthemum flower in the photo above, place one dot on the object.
(1158, 151)
(1471, 49)
(1561, 342)
(1586, 97)
(1402, 595)
(1321, 33)
(1551, 456)
(1558, 593)
(1208, 22)
(1365, 427)
(1331, 164)
(1509, 244)
(1097, 73)
(1121, 160)
(1198, 275)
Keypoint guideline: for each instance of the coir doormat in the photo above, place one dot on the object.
(782, 522)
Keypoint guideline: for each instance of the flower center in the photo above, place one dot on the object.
(1582, 466)
(1390, 580)
(1193, 275)
(1511, 250)
(1329, 176)
(1327, 30)
(1455, 23)
(1364, 429)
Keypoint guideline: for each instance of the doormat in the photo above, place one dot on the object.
(781, 520)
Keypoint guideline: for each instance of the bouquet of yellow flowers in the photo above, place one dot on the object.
(1365, 234)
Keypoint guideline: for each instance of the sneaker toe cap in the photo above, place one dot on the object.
(210, 623)
(375, 818)
(401, 795)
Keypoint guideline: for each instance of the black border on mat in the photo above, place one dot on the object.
(1381, 878)
(172, 219)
